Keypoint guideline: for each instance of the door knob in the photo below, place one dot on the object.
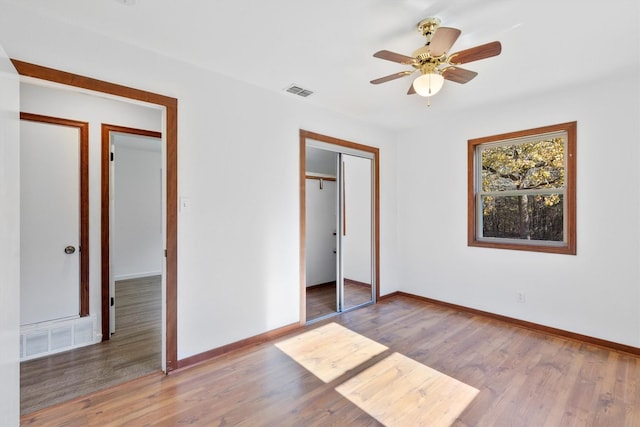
(69, 250)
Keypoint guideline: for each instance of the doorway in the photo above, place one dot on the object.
(170, 178)
(169, 107)
(131, 212)
(72, 372)
(339, 226)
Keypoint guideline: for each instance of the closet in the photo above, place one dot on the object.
(339, 228)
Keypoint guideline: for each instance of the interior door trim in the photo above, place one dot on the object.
(105, 231)
(348, 145)
(171, 139)
(83, 129)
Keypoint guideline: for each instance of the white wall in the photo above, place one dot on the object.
(96, 110)
(596, 292)
(238, 155)
(239, 245)
(320, 239)
(321, 161)
(321, 207)
(137, 235)
(10, 248)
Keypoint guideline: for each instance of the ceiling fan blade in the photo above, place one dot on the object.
(392, 77)
(458, 75)
(442, 40)
(395, 57)
(475, 53)
(411, 90)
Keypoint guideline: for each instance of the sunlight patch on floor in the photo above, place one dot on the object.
(396, 391)
(330, 351)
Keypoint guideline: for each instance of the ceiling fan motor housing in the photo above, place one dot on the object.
(428, 26)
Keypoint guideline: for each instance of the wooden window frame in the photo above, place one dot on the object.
(568, 246)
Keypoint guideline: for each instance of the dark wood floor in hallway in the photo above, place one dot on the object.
(523, 378)
(133, 351)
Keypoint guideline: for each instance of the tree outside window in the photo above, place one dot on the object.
(522, 190)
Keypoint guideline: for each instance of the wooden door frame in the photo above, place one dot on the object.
(304, 135)
(105, 228)
(171, 139)
(83, 151)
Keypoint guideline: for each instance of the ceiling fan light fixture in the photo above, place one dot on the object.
(434, 61)
(428, 84)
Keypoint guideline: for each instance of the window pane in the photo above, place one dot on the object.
(529, 165)
(529, 217)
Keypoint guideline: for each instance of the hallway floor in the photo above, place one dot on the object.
(132, 352)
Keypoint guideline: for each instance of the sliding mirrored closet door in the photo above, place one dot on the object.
(339, 243)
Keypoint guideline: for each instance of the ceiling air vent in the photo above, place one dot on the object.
(297, 90)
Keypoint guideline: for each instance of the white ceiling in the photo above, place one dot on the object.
(327, 45)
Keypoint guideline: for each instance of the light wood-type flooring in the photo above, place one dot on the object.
(133, 351)
(522, 378)
(321, 299)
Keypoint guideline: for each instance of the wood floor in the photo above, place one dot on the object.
(321, 299)
(133, 351)
(523, 378)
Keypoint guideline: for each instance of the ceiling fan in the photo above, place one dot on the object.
(434, 62)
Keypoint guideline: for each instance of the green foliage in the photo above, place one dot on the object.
(535, 165)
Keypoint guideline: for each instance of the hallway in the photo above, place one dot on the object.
(132, 352)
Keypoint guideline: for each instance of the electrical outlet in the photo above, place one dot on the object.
(521, 297)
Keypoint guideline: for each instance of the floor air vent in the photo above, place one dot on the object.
(297, 90)
(42, 339)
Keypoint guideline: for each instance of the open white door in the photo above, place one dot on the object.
(10, 238)
(112, 222)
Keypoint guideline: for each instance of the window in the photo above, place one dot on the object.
(522, 190)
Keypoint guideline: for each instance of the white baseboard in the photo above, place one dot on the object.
(137, 275)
